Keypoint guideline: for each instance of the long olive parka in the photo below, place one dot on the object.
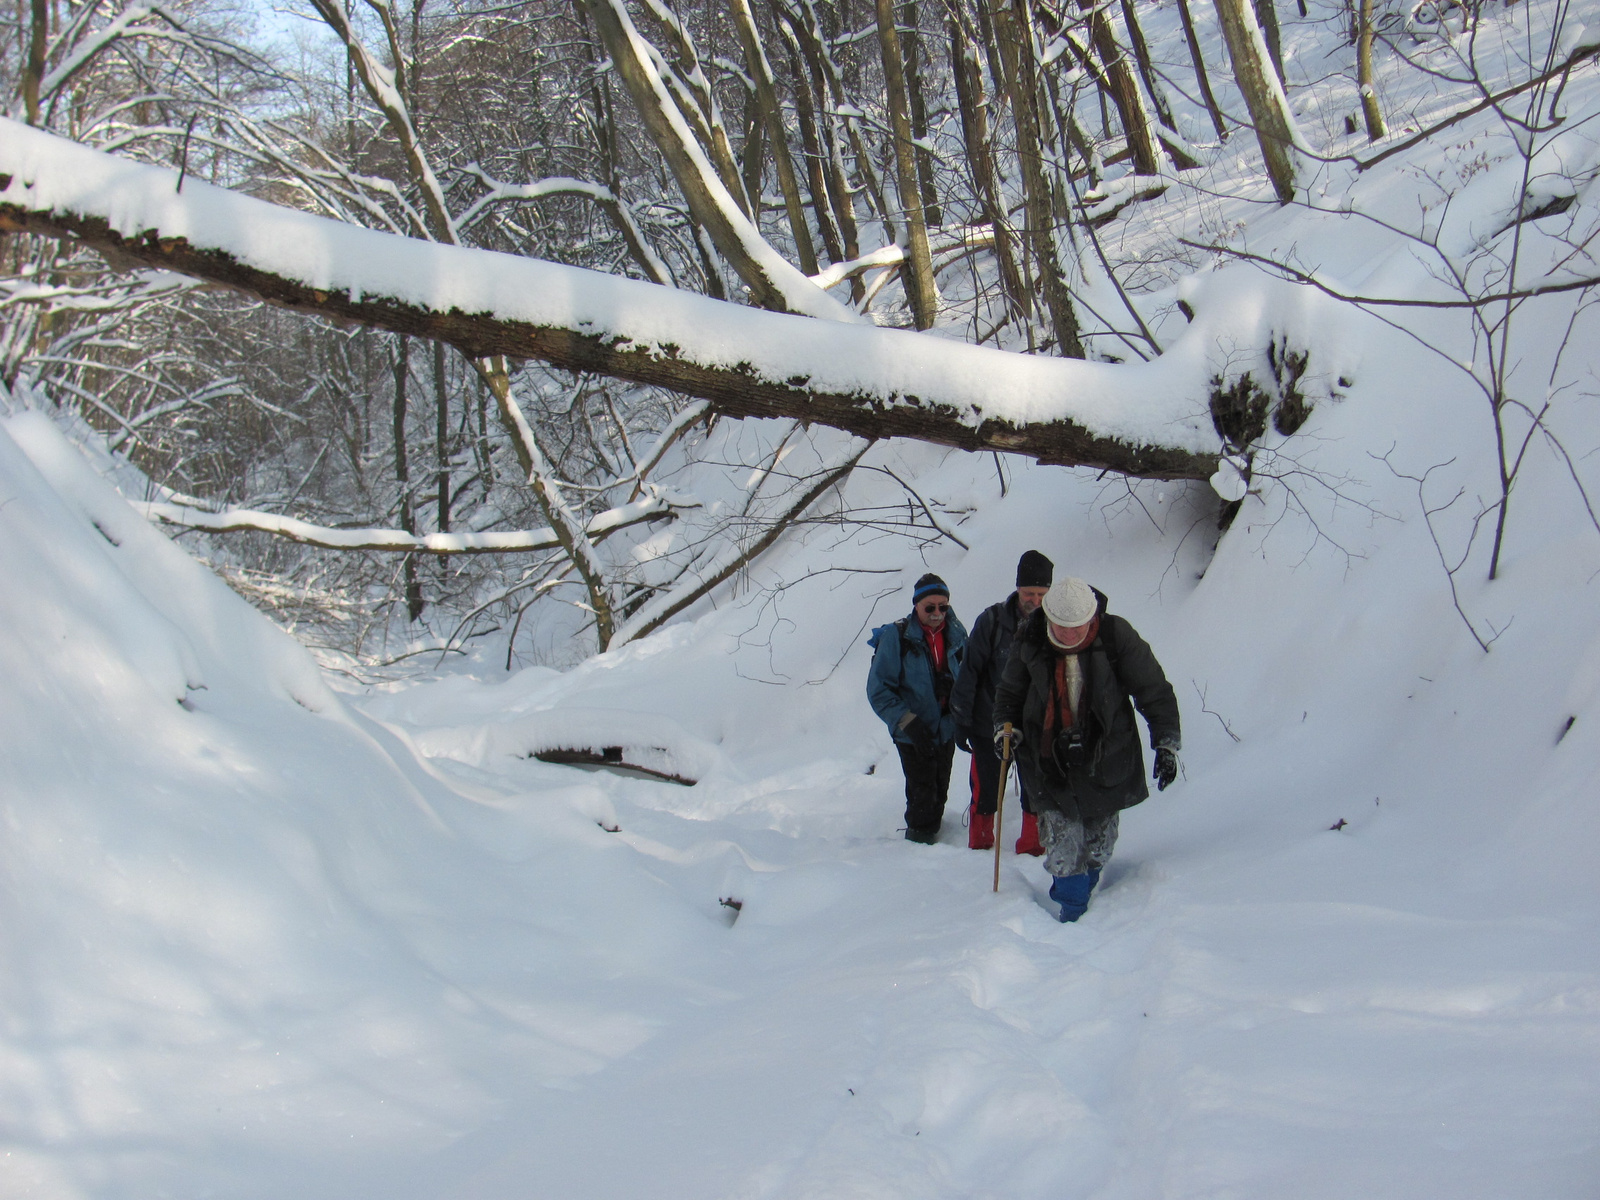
(1120, 671)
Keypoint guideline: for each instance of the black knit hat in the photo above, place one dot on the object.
(930, 584)
(1034, 570)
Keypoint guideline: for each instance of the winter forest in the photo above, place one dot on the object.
(453, 454)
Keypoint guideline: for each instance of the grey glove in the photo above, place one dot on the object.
(1166, 769)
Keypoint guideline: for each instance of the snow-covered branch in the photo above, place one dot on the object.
(660, 505)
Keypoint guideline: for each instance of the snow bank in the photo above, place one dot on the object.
(253, 944)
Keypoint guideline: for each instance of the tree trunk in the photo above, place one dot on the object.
(760, 69)
(921, 289)
(1263, 94)
(441, 434)
(1014, 33)
(693, 79)
(569, 531)
(980, 161)
(915, 61)
(38, 45)
(1124, 91)
(402, 474)
(1267, 18)
(1201, 77)
(822, 65)
(1369, 92)
(1147, 70)
(772, 284)
(822, 206)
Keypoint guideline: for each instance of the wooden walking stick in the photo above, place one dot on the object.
(1000, 799)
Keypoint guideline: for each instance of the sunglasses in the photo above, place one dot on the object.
(930, 609)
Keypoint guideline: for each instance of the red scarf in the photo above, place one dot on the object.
(1058, 713)
(1058, 709)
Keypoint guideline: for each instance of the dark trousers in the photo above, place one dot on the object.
(927, 784)
(985, 777)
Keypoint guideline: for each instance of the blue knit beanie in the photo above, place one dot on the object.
(929, 585)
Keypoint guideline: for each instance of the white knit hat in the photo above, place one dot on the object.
(1070, 602)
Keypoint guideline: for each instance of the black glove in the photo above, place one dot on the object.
(1166, 768)
(1000, 736)
(921, 736)
(963, 738)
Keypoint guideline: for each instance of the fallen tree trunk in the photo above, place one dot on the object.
(877, 383)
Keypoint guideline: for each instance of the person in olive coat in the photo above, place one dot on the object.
(915, 662)
(1068, 693)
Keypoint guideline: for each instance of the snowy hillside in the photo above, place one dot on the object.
(264, 940)
(271, 931)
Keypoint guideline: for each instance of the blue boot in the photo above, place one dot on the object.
(1072, 893)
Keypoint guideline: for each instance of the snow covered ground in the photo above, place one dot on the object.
(264, 937)
(267, 933)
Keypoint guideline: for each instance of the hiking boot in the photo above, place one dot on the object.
(1028, 841)
(980, 830)
(1072, 893)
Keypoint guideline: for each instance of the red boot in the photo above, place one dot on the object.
(1028, 842)
(980, 832)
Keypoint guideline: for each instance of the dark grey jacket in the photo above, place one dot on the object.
(1119, 672)
(972, 701)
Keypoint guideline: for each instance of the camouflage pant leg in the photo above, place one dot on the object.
(1071, 847)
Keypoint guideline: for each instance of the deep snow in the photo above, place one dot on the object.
(266, 933)
(263, 940)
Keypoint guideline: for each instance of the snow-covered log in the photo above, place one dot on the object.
(1148, 419)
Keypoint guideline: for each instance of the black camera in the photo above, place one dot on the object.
(1069, 749)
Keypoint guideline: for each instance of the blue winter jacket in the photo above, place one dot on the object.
(901, 678)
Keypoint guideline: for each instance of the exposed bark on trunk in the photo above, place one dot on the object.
(805, 99)
(1369, 92)
(1124, 90)
(569, 531)
(1147, 71)
(441, 435)
(980, 160)
(916, 60)
(812, 42)
(402, 474)
(696, 178)
(693, 79)
(918, 273)
(38, 44)
(1263, 94)
(1201, 76)
(1267, 18)
(1012, 26)
(753, 160)
(760, 69)
(396, 116)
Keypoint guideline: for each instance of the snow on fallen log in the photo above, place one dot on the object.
(648, 742)
(1149, 419)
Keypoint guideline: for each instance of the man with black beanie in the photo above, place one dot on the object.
(973, 700)
(915, 664)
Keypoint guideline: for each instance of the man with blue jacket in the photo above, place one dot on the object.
(915, 662)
